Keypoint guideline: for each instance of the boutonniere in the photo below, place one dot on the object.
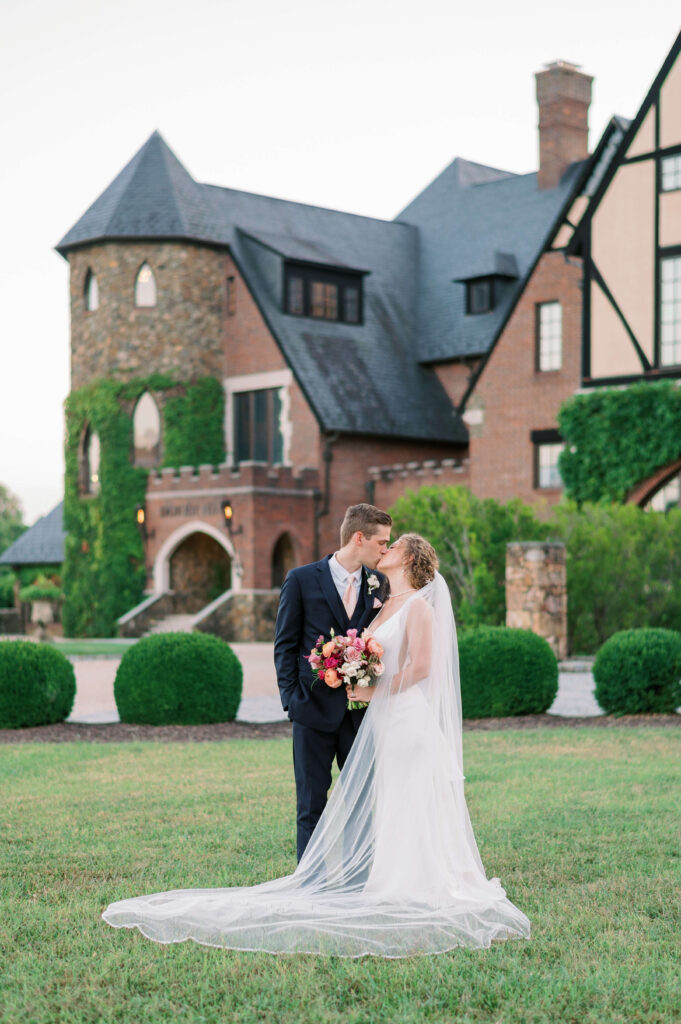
(372, 583)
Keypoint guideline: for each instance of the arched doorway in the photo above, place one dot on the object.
(200, 570)
(283, 559)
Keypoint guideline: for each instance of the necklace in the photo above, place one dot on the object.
(401, 594)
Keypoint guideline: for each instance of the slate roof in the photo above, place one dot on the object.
(357, 378)
(372, 378)
(41, 544)
(464, 217)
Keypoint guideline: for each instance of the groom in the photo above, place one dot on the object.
(340, 592)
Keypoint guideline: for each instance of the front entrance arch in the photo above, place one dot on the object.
(198, 559)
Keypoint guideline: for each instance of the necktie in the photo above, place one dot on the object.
(350, 598)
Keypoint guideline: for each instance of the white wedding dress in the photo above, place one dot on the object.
(392, 868)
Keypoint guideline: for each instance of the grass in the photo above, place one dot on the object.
(582, 826)
(93, 648)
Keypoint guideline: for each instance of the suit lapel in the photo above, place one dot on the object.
(330, 593)
(363, 599)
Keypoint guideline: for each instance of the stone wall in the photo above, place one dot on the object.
(245, 617)
(536, 591)
(182, 335)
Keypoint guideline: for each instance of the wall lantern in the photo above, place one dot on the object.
(141, 517)
(228, 517)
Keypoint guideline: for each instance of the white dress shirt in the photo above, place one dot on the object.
(341, 577)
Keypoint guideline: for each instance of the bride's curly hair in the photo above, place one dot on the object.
(424, 562)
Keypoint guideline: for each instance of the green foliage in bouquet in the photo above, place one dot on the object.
(506, 672)
(37, 685)
(638, 671)
(178, 679)
(614, 439)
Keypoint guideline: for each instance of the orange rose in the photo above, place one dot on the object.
(331, 678)
(373, 647)
(328, 648)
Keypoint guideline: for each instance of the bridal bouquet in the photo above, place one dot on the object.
(349, 659)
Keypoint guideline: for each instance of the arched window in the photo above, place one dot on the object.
(146, 426)
(145, 286)
(668, 496)
(89, 463)
(91, 292)
(283, 559)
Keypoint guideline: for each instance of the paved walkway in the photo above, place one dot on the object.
(260, 701)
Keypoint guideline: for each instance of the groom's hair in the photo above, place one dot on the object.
(366, 518)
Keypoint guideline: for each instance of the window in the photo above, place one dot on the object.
(89, 463)
(670, 312)
(145, 286)
(479, 295)
(324, 295)
(547, 473)
(231, 296)
(146, 425)
(91, 292)
(549, 333)
(671, 173)
(668, 496)
(258, 435)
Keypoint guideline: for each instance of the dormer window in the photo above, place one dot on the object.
(91, 292)
(323, 294)
(480, 295)
(145, 286)
(489, 282)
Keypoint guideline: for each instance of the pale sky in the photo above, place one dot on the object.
(339, 103)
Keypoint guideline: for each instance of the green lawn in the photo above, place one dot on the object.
(582, 826)
(93, 648)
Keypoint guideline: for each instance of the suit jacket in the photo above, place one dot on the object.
(309, 607)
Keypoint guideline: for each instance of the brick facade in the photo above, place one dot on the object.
(512, 398)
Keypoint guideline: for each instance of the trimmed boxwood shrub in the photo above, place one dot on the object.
(506, 672)
(639, 671)
(178, 679)
(37, 684)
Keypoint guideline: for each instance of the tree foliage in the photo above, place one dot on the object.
(470, 536)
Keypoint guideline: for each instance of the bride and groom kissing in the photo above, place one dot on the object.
(389, 865)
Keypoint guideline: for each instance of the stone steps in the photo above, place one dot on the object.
(172, 624)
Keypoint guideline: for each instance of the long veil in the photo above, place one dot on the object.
(392, 868)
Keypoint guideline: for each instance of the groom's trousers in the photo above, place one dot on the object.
(313, 755)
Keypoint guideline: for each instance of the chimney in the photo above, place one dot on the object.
(563, 95)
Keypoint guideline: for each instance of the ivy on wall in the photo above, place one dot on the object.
(615, 439)
(104, 573)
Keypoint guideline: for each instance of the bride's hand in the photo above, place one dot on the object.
(361, 693)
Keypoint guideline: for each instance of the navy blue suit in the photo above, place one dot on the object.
(323, 728)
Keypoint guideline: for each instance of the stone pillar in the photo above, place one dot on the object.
(536, 591)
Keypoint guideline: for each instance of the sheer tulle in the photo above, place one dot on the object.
(392, 868)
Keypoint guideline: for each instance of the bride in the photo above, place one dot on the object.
(392, 868)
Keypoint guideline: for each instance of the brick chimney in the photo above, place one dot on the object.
(563, 95)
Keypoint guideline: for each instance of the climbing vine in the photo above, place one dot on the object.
(104, 572)
(614, 439)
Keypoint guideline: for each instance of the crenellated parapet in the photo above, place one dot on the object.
(388, 483)
(248, 476)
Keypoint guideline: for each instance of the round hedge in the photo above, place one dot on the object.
(639, 671)
(37, 684)
(178, 679)
(506, 672)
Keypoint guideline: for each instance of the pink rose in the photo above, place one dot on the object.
(352, 633)
(373, 647)
(378, 668)
(359, 644)
(352, 654)
(330, 662)
(331, 678)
